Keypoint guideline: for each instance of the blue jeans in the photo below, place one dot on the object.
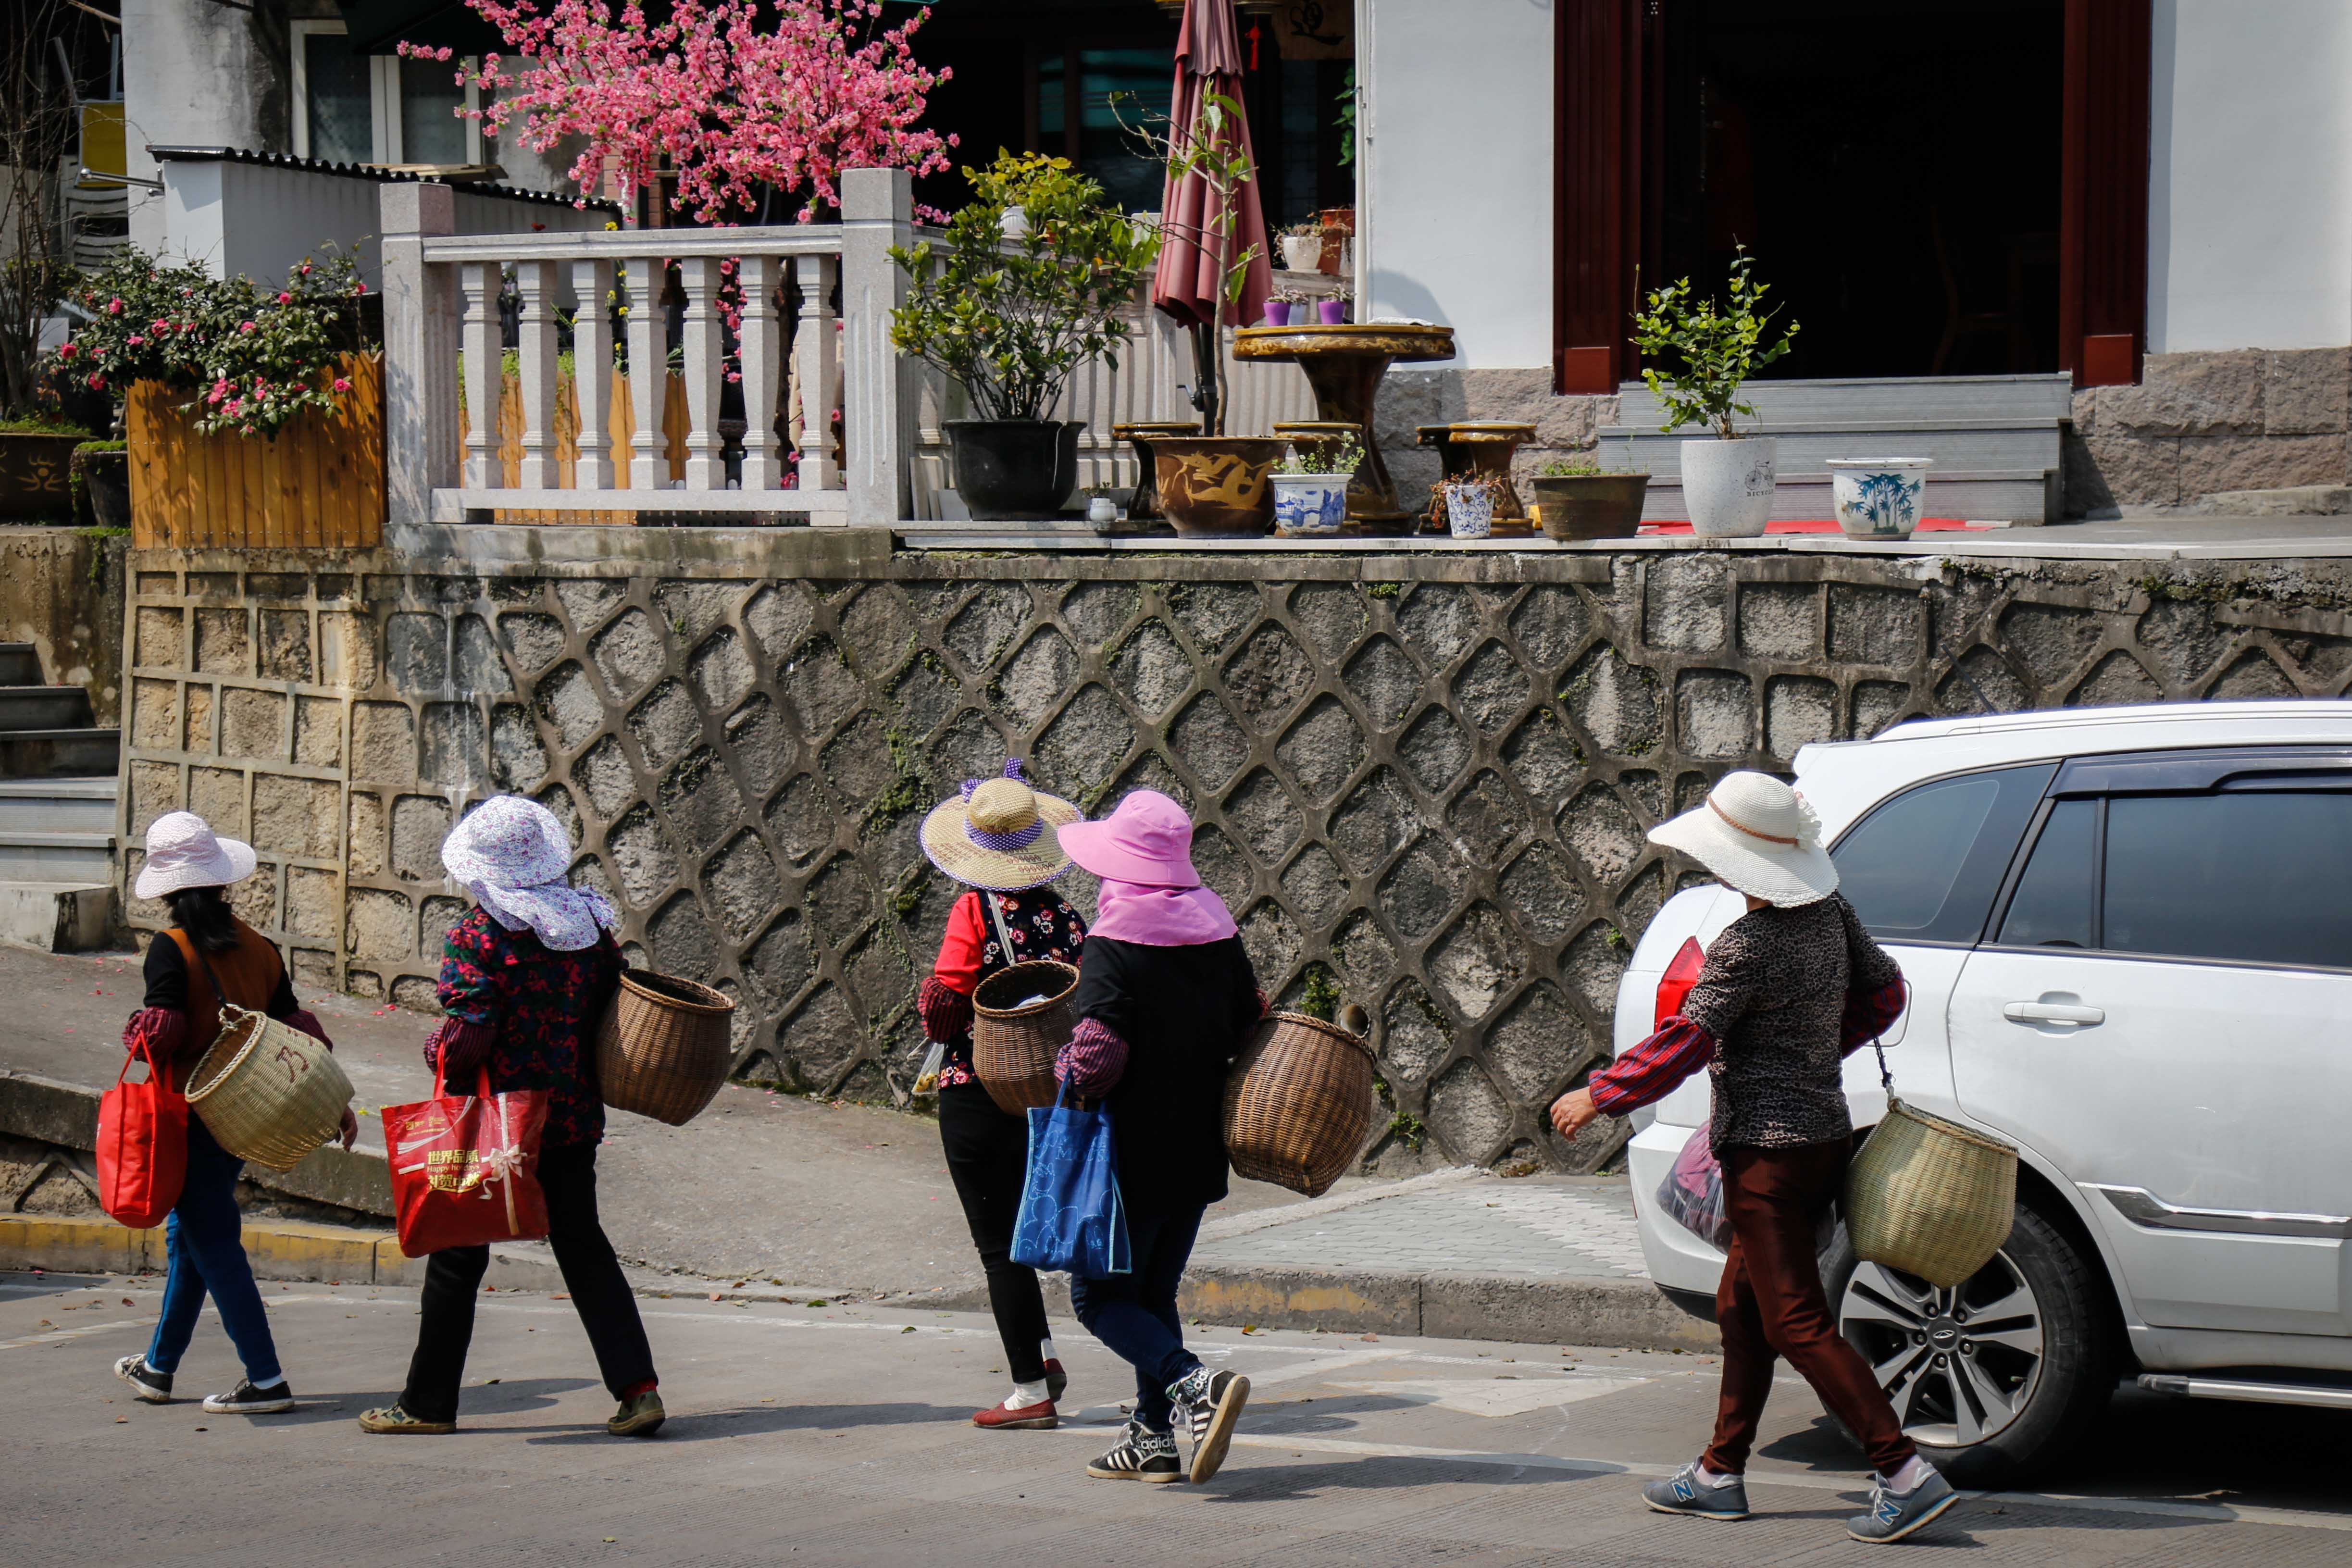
(1135, 1313)
(204, 1241)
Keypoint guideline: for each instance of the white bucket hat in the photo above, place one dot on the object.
(1758, 835)
(183, 852)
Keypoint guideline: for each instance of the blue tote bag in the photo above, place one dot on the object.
(1071, 1217)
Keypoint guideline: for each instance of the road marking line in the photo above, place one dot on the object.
(51, 1336)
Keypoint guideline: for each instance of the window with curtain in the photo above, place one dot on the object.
(335, 100)
(430, 98)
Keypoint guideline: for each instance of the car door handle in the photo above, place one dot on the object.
(2052, 1013)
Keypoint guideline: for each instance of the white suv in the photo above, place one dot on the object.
(2129, 936)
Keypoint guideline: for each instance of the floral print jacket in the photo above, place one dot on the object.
(1039, 921)
(544, 1007)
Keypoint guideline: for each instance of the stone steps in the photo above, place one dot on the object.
(57, 808)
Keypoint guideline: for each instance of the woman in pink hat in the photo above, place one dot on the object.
(1166, 1000)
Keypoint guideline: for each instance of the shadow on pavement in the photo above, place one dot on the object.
(702, 1425)
(1253, 1482)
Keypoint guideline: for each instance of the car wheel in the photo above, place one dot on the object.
(1997, 1377)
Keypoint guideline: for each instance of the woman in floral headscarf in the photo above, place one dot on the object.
(997, 838)
(525, 979)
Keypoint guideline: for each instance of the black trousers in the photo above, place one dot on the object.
(599, 1293)
(987, 1156)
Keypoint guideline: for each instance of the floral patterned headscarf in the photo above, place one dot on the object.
(513, 857)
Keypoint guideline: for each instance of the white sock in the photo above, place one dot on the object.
(1908, 1476)
(1045, 1351)
(1707, 1477)
(1025, 1394)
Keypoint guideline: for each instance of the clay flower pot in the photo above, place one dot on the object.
(1334, 311)
(1590, 506)
(1216, 487)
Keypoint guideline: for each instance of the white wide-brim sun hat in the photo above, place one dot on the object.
(183, 852)
(1757, 836)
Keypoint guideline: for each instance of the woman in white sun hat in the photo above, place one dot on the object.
(207, 956)
(1788, 990)
(998, 839)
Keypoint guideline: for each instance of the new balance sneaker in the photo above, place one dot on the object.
(247, 1400)
(391, 1420)
(1894, 1515)
(1687, 1491)
(1139, 1455)
(1209, 1403)
(1056, 1380)
(638, 1418)
(154, 1387)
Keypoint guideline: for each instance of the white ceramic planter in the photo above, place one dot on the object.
(1300, 253)
(1728, 485)
(1879, 497)
(1469, 514)
(1309, 504)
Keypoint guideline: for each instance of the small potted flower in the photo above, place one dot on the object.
(1469, 507)
(1302, 246)
(1334, 306)
(1576, 499)
(1310, 487)
(1711, 351)
(1297, 306)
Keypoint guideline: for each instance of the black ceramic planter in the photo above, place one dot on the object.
(1011, 470)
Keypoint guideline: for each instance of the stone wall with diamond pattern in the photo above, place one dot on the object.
(1430, 775)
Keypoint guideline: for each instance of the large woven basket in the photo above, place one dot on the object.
(267, 1092)
(663, 1047)
(1298, 1103)
(1930, 1197)
(1013, 1047)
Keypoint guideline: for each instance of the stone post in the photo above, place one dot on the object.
(420, 350)
(878, 211)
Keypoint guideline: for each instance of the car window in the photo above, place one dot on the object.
(2053, 906)
(1925, 866)
(2260, 877)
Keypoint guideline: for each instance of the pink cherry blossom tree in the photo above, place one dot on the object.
(730, 96)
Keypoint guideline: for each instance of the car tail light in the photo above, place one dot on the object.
(1676, 982)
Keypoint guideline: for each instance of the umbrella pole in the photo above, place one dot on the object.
(1204, 380)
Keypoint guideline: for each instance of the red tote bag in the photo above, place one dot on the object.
(143, 1141)
(465, 1168)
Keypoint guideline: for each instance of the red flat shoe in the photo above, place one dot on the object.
(1028, 1418)
(1056, 1380)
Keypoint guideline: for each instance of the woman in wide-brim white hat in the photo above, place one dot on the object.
(207, 957)
(1787, 990)
(1001, 839)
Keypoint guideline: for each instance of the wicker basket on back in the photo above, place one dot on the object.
(267, 1092)
(1930, 1197)
(663, 1047)
(1013, 1046)
(1298, 1103)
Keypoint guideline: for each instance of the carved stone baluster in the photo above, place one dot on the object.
(649, 376)
(706, 461)
(816, 349)
(759, 359)
(485, 355)
(592, 375)
(535, 363)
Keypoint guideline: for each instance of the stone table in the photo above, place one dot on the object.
(1344, 365)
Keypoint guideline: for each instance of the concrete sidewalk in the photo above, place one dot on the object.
(768, 1195)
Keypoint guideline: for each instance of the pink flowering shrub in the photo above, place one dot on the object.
(248, 358)
(734, 95)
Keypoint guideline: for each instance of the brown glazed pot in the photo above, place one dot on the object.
(1214, 487)
(1590, 506)
(33, 474)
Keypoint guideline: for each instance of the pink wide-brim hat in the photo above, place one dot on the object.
(1148, 839)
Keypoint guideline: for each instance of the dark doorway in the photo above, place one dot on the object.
(1896, 171)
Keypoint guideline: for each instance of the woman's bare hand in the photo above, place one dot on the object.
(351, 1128)
(1573, 1111)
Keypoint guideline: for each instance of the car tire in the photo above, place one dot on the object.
(2053, 1393)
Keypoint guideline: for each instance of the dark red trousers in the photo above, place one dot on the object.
(1770, 1304)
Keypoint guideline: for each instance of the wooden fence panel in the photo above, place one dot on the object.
(319, 484)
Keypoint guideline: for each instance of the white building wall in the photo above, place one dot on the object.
(1455, 206)
(188, 74)
(2249, 177)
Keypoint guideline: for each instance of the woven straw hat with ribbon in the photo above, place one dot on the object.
(999, 833)
(1759, 836)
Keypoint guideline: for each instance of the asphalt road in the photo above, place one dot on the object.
(840, 1436)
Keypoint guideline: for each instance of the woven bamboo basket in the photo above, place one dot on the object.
(267, 1092)
(1298, 1103)
(1013, 1046)
(1930, 1197)
(663, 1047)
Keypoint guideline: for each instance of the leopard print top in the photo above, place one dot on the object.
(1772, 997)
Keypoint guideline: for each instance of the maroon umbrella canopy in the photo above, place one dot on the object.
(1191, 271)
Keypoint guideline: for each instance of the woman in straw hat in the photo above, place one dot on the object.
(1788, 990)
(525, 979)
(208, 956)
(1000, 838)
(1166, 1000)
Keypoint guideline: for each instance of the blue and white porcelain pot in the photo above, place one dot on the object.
(1309, 504)
(1879, 497)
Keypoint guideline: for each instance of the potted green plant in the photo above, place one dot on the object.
(1008, 315)
(1310, 487)
(1576, 499)
(1710, 352)
(1302, 246)
(1333, 306)
(102, 475)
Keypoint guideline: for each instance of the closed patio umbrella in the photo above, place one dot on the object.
(1190, 273)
